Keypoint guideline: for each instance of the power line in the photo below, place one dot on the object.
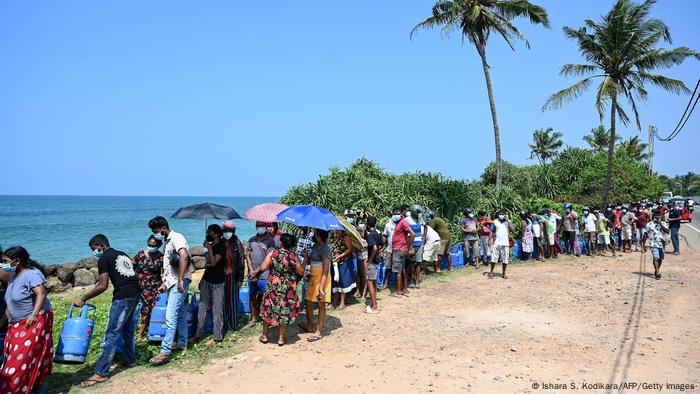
(684, 118)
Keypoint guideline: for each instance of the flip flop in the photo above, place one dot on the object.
(263, 341)
(91, 382)
(313, 338)
(159, 361)
(280, 344)
(303, 328)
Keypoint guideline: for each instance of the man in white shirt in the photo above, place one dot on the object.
(387, 236)
(177, 275)
(590, 225)
(500, 230)
(430, 251)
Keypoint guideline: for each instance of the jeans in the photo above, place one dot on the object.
(569, 239)
(470, 246)
(120, 323)
(640, 236)
(175, 319)
(674, 239)
(211, 294)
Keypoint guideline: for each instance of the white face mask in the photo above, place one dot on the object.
(501, 217)
(228, 235)
(261, 230)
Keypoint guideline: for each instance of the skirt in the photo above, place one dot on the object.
(346, 282)
(28, 354)
(315, 284)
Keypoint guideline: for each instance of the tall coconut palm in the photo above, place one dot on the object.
(688, 183)
(546, 144)
(620, 49)
(476, 20)
(633, 148)
(599, 139)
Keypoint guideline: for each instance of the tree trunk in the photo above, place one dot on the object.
(496, 130)
(611, 150)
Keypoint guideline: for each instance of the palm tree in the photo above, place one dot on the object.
(633, 148)
(688, 183)
(476, 20)
(621, 50)
(545, 144)
(599, 139)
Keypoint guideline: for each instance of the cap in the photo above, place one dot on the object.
(229, 225)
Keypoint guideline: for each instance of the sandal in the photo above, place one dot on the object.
(159, 360)
(313, 338)
(280, 344)
(91, 382)
(263, 339)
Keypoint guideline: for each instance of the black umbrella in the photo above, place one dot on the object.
(206, 211)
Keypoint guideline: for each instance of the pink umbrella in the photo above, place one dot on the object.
(265, 212)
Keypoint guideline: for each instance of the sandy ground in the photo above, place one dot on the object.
(602, 320)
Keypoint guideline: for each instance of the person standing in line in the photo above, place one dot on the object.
(674, 220)
(212, 285)
(148, 265)
(439, 225)
(485, 223)
(537, 238)
(569, 224)
(341, 270)
(626, 227)
(414, 262)
(115, 266)
(527, 239)
(262, 243)
(28, 350)
(177, 276)
(234, 269)
(604, 225)
(402, 239)
(430, 251)
(552, 221)
(642, 220)
(374, 249)
(501, 229)
(590, 225)
(387, 235)
(468, 226)
(655, 228)
(319, 259)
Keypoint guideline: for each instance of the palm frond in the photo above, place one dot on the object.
(567, 95)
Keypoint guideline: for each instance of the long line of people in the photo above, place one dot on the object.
(331, 266)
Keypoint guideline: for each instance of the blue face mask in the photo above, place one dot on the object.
(396, 218)
(159, 236)
(97, 253)
(7, 267)
(152, 249)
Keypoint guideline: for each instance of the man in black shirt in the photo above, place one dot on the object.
(115, 266)
(374, 248)
(211, 286)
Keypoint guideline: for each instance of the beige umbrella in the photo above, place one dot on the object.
(357, 240)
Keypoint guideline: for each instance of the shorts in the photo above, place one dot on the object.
(314, 285)
(626, 233)
(657, 253)
(500, 252)
(430, 251)
(387, 260)
(372, 271)
(444, 247)
(418, 256)
(604, 239)
(257, 286)
(361, 254)
(484, 249)
(398, 260)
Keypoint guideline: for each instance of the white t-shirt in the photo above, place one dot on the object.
(591, 224)
(389, 228)
(536, 229)
(173, 244)
(501, 231)
(431, 235)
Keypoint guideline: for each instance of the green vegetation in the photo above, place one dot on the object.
(684, 185)
(476, 20)
(621, 49)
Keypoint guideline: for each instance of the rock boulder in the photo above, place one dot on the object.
(83, 277)
(56, 286)
(197, 251)
(65, 274)
(87, 262)
(199, 262)
(95, 272)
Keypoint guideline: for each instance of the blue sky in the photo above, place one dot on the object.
(248, 98)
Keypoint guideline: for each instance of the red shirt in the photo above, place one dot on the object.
(399, 241)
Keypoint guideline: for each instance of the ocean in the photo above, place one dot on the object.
(56, 229)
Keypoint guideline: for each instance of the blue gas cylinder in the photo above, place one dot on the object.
(74, 342)
(156, 329)
(381, 275)
(192, 313)
(243, 300)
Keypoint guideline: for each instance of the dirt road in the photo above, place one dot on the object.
(598, 321)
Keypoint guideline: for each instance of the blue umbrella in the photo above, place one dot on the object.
(310, 216)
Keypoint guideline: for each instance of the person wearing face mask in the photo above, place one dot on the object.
(414, 263)
(116, 267)
(177, 276)
(590, 225)
(443, 231)
(527, 239)
(642, 220)
(148, 264)
(501, 229)
(551, 227)
(612, 217)
(485, 223)
(655, 229)
(28, 357)
(604, 224)
(616, 232)
(212, 285)
(262, 243)
(468, 226)
(234, 269)
(569, 223)
(627, 220)
(387, 236)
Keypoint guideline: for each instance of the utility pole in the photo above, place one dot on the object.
(650, 148)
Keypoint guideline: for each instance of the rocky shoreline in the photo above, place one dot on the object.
(63, 277)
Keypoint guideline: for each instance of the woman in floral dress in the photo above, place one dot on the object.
(148, 265)
(280, 304)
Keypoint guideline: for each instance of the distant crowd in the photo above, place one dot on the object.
(328, 266)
